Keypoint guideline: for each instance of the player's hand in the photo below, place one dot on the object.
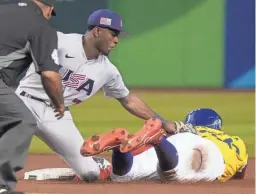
(60, 111)
(169, 128)
(181, 127)
(190, 129)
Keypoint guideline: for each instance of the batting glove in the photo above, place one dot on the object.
(181, 127)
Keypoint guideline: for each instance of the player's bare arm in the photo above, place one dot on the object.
(53, 87)
(136, 106)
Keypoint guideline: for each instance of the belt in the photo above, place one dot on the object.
(25, 94)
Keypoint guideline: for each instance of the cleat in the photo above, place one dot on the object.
(151, 133)
(96, 147)
(103, 142)
(95, 138)
(105, 170)
(141, 149)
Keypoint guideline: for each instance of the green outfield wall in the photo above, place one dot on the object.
(173, 43)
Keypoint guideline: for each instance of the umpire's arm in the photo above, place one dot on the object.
(43, 50)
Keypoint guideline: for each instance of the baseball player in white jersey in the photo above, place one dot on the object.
(148, 154)
(85, 69)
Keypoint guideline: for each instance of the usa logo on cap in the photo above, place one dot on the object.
(105, 21)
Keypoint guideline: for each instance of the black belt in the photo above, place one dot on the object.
(25, 94)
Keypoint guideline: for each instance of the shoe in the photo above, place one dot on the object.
(5, 191)
(151, 133)
(105, 169)
(76, 178)
(105, 173)
(103, 142)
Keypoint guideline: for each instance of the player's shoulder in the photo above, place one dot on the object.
(104, 59)
(107, 64)
(73, 36)
(203, 130)
(68, 39)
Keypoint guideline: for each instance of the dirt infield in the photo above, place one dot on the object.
(194, 90)
(38, 161)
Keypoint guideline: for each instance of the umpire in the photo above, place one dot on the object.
(25, 37)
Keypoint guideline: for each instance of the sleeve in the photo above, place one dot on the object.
(115, 87)
(241, 173)
(243, 155)
(43, 49)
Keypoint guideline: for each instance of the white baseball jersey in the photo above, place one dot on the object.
(145, 164)
(81, 77)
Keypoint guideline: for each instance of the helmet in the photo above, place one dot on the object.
(204, 117)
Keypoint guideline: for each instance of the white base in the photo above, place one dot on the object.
(50, 174)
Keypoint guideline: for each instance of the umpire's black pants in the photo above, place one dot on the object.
(17, 126)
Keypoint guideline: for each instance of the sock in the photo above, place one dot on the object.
(121, 162)
(167, 155)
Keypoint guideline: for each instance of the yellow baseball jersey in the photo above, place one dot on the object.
(232, 148)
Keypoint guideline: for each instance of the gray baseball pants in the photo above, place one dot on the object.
(17, 126)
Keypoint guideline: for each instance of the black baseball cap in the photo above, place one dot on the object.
(50, 3)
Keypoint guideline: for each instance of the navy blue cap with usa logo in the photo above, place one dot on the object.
(107, 19)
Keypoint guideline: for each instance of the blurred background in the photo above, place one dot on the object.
(180, 45)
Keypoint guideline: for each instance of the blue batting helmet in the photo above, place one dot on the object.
(204, 117)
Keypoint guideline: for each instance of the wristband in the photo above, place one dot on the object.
(161, 118)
